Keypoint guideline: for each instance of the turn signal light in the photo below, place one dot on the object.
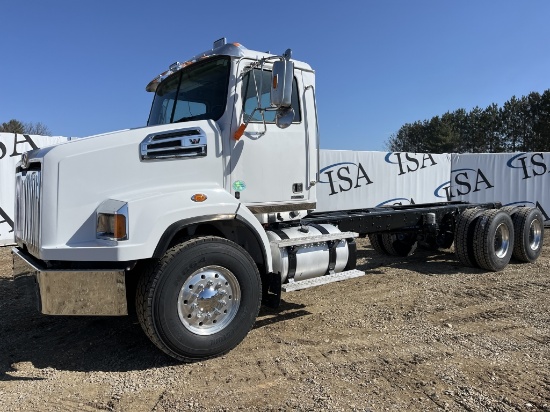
(120, 227)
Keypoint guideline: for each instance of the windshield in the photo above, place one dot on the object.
(196, 92)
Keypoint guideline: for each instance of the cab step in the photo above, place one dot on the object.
(321, 280)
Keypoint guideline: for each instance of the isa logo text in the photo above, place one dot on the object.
(463, 182)
(530, 164)
(410, 162)
(345, 176)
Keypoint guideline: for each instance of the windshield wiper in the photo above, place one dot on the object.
(184, 119)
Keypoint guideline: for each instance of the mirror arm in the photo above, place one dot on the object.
(240, 131)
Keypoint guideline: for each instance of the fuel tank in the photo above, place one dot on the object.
(306, 261)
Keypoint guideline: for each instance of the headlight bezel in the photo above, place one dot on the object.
(112, 220)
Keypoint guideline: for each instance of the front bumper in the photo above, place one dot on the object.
(73, 292)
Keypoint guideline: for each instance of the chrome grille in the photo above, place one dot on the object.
(182, 143)
(27, 210)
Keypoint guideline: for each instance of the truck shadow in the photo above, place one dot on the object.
(68, 343)
(423, 261)
(82, 344)
(285, 311)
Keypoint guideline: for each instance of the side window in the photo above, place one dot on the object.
(252, 81)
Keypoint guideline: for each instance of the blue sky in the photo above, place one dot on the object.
(81, 67)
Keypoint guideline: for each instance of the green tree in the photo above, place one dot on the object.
(492, 125)
(521, 124)
(409, 138)
(512, 124)
(15, 126)
(542, 126)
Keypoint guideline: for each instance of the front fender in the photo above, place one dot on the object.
(236, 211)
(152, 214)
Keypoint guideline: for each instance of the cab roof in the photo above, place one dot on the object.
(220, 48)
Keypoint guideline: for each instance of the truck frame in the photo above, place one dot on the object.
(195, 220)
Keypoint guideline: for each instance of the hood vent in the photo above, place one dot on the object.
(174, 144)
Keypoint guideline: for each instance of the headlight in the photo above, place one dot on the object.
(112, 220)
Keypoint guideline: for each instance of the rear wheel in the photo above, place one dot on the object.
(201, 300)
(376, 243)
(399, 244)
(493, 240)
(464, 235)
(511, 210)
(529, 234)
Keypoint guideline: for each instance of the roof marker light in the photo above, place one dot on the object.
(174, 66)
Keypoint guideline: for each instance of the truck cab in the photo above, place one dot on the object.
(268, 168)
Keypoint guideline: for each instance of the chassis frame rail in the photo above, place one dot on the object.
(393, 218)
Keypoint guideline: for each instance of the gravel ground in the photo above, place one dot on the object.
(417, 334)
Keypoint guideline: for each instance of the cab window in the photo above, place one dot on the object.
(252, 82)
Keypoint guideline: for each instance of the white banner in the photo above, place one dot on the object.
(11, 147)
(521, 179)
(356, 180)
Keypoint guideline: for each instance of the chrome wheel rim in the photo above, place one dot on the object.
(209, 300)
(535, 234)
(502, 240)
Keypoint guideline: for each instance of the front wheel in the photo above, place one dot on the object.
(201, 300)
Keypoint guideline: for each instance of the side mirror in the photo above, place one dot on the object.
(281, 83)
(284, 117)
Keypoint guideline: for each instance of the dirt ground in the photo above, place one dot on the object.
(416, 334)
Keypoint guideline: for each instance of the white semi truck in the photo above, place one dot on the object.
(195, 220)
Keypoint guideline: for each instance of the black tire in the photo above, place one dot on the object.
(511, 210)
(399, 244)
(201, 300)
(529, 234)
(376, 243)
(464, 234)
(493, 240)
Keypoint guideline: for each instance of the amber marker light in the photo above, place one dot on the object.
(198, 197)
(120, 227)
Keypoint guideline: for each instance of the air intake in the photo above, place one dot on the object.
(184, 143)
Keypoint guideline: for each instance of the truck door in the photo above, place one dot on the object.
(268, 165)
